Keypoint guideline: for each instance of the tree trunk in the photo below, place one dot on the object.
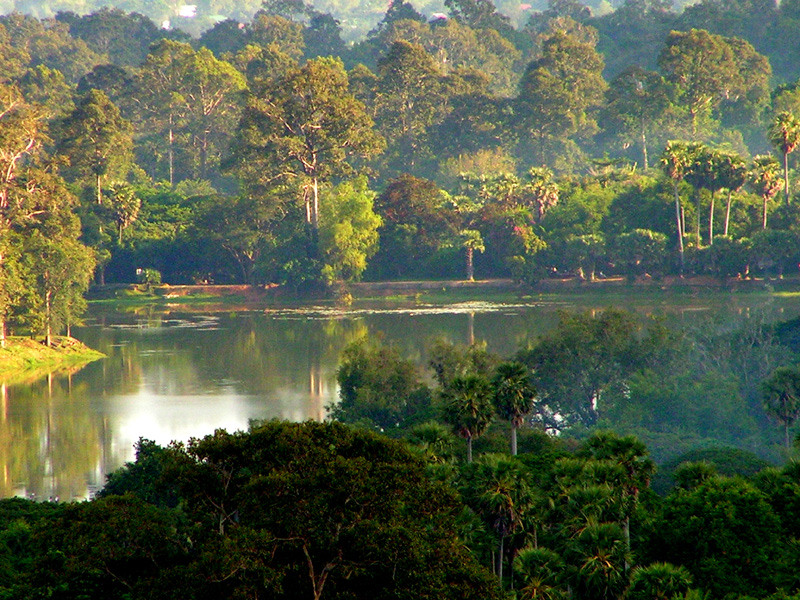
(697, 222)
(469, 449)
(786, 435)
(315, 208)
(99, 196)
(680, 224)
(513, 439)
(644, 147)
(470, 268)
(728, 212)
(48, 331)
(500, 561)
(786, 177)
(711, 222)
(2, 332)
(170, 154)
(764, 222)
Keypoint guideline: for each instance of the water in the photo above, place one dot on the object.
(176, 376)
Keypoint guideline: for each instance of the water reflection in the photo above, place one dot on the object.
(171, 377)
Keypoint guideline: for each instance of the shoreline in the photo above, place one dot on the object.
(233, 297)
(25, 359)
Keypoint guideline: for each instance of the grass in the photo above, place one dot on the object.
(25, 359)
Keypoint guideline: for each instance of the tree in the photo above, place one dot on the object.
(541, 191)
(780, 394)
(658, 581)
(96, 141)
(479, 14)
(471, 240)
(636, 104)
(676, 162)
(706, 173)
(409, 98)
(305, 129)
(584, 363)
(702, 66)
(378, 386)
(502, 498)
(416, 224)
(189, 100)
(125, 205)
(631, 471)
(542, 573)
(764, 179)
(21, 203)
(62, 269)
(558, 91)
(348, 231)
(640, 251)
(244, 227)
(714, 529)
(468, 407)
(732, 173)
(285, 510)
(513, 396)
(784, 133)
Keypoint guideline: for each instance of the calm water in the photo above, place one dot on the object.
(172, 377)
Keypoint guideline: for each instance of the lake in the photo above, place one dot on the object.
(176, 375)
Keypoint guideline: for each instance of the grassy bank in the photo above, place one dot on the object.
(24, 358)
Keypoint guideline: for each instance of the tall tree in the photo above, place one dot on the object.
(558, 91)
(780, 394)
(637, 101)
(21, 138)
(513, 396)
(764, 179)
(704, 68)
(784, 133)
(676, 162)
(190, 100)
(61, 268)
(732, 173)
(409, 99)
(468, 407)
(306, 128)
(96, 142)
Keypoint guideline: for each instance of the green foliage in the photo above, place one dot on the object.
(348, 231)
(715, 528)
(377, 386)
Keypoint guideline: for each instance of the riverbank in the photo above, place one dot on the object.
(236, 297)
(24, 358)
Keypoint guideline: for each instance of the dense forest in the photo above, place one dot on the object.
(324, 511)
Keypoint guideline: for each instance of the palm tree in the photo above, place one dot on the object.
(471, 240)
(676, 161)
(780, 394)
(503, 499)
(541, 571)
(732, 172)
(468, 407)
(598, 557)
(632, 469)
(513, 396)
(784, 133)
(764, 181)
(658, 581)
(435, 441)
